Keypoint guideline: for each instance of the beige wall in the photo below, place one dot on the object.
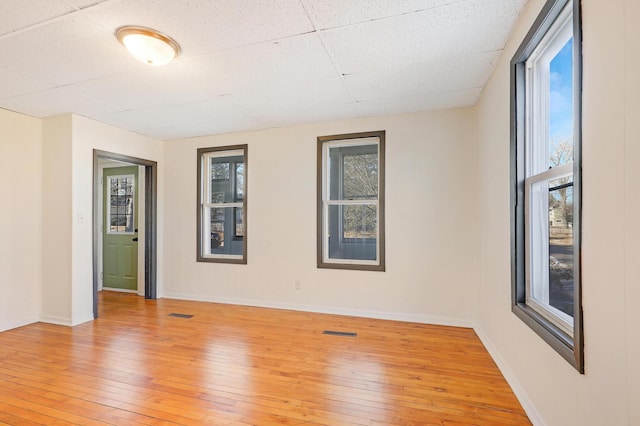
(20, 219)
(632, 204)
(56, 196)
(551, 390)
(431, 235)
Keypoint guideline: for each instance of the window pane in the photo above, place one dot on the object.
(226, 188)
(539, 241)
(561, 106)
(360, 177)
(353, 172)
(223, 222)
(239, 181)
(221, 191)
(239, 222)
(219, 169)
(561, 245)
(352, 232)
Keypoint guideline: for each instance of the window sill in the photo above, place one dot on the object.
(550, 333)
(238, 260)
(352, 266)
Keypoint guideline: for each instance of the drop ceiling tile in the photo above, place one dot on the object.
(214, 112)
(128, 120)
(56, 101)
(470, 27)
(65, 51)
(430, 101)
(339, 13)
(143, 87)
(14, 84)
(203, 129)
(208, 26)
(284, 103)
(437, 75)
(287, 62)
(16, 15)
(310, 114)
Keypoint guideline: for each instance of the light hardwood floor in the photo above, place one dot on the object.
(234, 365)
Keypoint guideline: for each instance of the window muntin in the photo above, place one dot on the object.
(222, 204)
(120, 212)
(546, 179)
(350, 222)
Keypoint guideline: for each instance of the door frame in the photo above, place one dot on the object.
(150, 221)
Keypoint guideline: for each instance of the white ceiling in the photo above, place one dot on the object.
(248, 64)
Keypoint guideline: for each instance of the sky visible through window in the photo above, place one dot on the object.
(561, 99)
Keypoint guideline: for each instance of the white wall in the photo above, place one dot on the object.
(20, 219)
(431, 235)
(551, 390)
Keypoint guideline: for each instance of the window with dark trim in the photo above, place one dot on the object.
(222, 204)
(351, 201)
(546, 179)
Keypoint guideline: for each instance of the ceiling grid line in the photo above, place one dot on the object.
(339, 72)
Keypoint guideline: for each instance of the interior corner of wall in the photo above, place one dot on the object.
(509, 376)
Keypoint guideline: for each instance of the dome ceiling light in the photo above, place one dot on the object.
(148, 45)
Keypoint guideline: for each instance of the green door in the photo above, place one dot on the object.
(120, 231)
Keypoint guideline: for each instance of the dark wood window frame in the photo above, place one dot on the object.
(201, 257)
(570, 348)
(321, 140)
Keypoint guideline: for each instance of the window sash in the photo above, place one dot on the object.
(325, 230)
(537, 249)
(327, 201)
(537, 79)
(206, 248)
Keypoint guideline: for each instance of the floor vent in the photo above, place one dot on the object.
(340, 333)
(180, 315)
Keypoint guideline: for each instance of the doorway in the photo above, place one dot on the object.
(117, 236)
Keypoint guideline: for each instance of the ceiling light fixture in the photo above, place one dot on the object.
(148, 45)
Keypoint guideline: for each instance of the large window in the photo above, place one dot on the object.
(351, 201)
(222, 201)
(546, 93)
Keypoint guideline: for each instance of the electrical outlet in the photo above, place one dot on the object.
(298, 285)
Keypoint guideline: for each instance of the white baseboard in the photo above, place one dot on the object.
(517, 388)
(17, 323)
(120, 290)
(82, 320)
(65, 321)
(49, 319)
(393, 316)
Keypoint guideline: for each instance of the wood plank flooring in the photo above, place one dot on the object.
(235, 365)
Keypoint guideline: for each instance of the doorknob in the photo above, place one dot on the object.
(134, 239)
